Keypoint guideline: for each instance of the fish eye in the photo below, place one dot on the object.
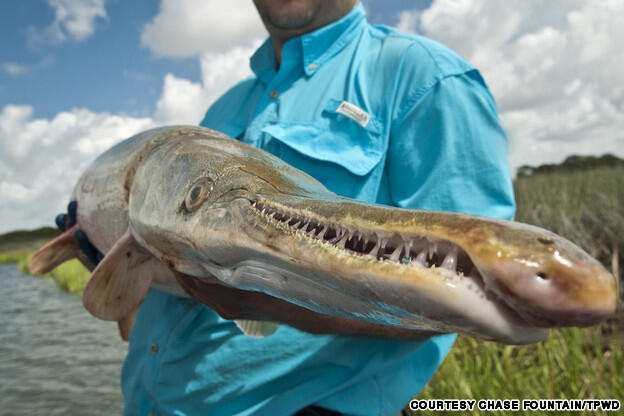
(198, 193)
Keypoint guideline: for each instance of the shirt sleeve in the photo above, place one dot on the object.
(448, 151)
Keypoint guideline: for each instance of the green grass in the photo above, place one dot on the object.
(587, 207)
(20, 257)
(572, 363)
(71, 276)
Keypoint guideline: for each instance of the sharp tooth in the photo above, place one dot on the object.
(395, 254)
(433, 247)
(356, 240)
(450, 261)
(339, 234)
(375, 249)
(365, 241)
(362, 240)
(421, 259)
(343, 240)
(271, 215)
(285, 219)
(254, 204)
(296, 225)
(321, 234)
(382, 247)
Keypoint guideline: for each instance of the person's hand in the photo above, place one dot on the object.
(88, 254)
(231, 303)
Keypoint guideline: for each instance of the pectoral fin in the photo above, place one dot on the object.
(54, 253)
(256, 329)
(121, 280)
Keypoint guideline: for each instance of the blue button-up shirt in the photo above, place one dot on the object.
(374, 114)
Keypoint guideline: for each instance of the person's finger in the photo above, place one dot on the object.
(61, 221)
(71, 213)
(83, 243)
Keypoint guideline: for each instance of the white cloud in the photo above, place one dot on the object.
(189, 27)
(41, 159)
(554, 68)
(183, 101)
(74, 19)
(14, 69)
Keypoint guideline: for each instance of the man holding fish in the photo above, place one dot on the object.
(376, 115)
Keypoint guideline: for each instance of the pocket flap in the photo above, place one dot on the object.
(350, 147)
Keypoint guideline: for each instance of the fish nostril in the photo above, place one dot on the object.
(542, 275)
(546, 240)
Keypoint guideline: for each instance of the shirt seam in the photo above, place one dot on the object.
(422, 92)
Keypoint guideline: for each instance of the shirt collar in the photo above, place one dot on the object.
(313, 49)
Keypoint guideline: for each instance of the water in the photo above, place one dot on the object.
(55, 358)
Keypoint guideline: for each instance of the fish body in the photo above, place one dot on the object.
(175, 204)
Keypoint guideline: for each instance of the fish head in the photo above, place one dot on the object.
(191, 197)
(542, 276)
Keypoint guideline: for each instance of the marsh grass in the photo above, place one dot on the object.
(587, 207)
(572, 363)
(71, 276)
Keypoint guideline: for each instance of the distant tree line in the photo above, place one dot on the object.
(573, 163)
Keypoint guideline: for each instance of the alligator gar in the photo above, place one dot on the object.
(180, 203)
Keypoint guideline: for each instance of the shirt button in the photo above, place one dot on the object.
(154, 349)
(274, 94)
(312, 67)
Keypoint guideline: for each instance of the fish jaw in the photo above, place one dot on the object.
(557, 292)
(251, 250)
(409, 295)
(523, 277)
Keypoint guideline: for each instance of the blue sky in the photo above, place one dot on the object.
(77, 76)
(109, 71)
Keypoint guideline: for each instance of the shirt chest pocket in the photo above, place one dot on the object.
(338, 151)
